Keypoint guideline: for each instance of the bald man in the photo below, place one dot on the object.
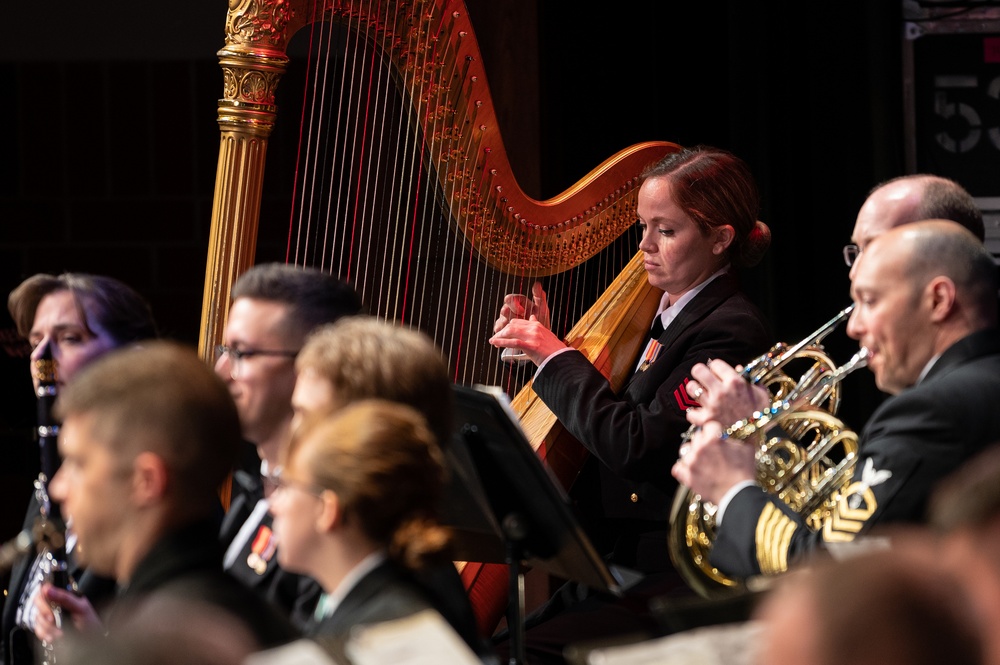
(926, 309)
(908, 199)
(893, 203)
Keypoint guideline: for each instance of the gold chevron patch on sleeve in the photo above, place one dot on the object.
(845, 522)
(773, 538)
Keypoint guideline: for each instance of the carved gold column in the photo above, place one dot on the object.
(253, 60)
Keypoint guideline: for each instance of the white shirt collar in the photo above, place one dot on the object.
(265, 469)
(668, 312)
(927, 368)
(328, 602)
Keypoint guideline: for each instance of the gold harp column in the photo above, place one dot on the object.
(253, 61)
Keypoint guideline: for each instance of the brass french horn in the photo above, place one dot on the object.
(805, 455)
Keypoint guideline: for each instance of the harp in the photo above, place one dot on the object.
(486, 236)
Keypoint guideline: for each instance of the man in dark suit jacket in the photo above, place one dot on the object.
(148, 436)
(275, 308)
(250, 557)
(926, 310)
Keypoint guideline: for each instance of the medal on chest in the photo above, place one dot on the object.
(652, 351)
(261, 550)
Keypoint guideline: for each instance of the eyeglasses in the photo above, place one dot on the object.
(278, 482)
(851, 254)
(237, 356)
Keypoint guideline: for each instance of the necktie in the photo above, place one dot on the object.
(657, 328)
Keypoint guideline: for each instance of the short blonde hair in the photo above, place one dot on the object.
(364, 358)
(388, 472)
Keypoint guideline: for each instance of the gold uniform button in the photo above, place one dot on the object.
(634, 497)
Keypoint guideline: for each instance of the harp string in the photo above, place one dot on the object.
(336, 157)
(331, 147)
(461, 303)
(311, 172)
(407, 220)
(442, 321)
(360, 147)
(368, 206)
(421, 249)
(292, 226)
(370, 215)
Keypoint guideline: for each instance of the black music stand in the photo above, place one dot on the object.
(532, 515)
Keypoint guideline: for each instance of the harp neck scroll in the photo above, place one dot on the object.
(253, 62)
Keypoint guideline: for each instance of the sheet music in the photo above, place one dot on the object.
(728, 644)
(299, 652)
(421, 639)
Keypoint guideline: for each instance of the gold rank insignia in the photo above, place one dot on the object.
(855, 506)
(773, 538)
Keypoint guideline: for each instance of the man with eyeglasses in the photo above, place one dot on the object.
(274, 308)
(905, 200)
(908, 199)
(902, 200)
(925, 311)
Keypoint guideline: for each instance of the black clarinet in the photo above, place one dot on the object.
(50, 529)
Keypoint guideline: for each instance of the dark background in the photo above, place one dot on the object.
(108, 142)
